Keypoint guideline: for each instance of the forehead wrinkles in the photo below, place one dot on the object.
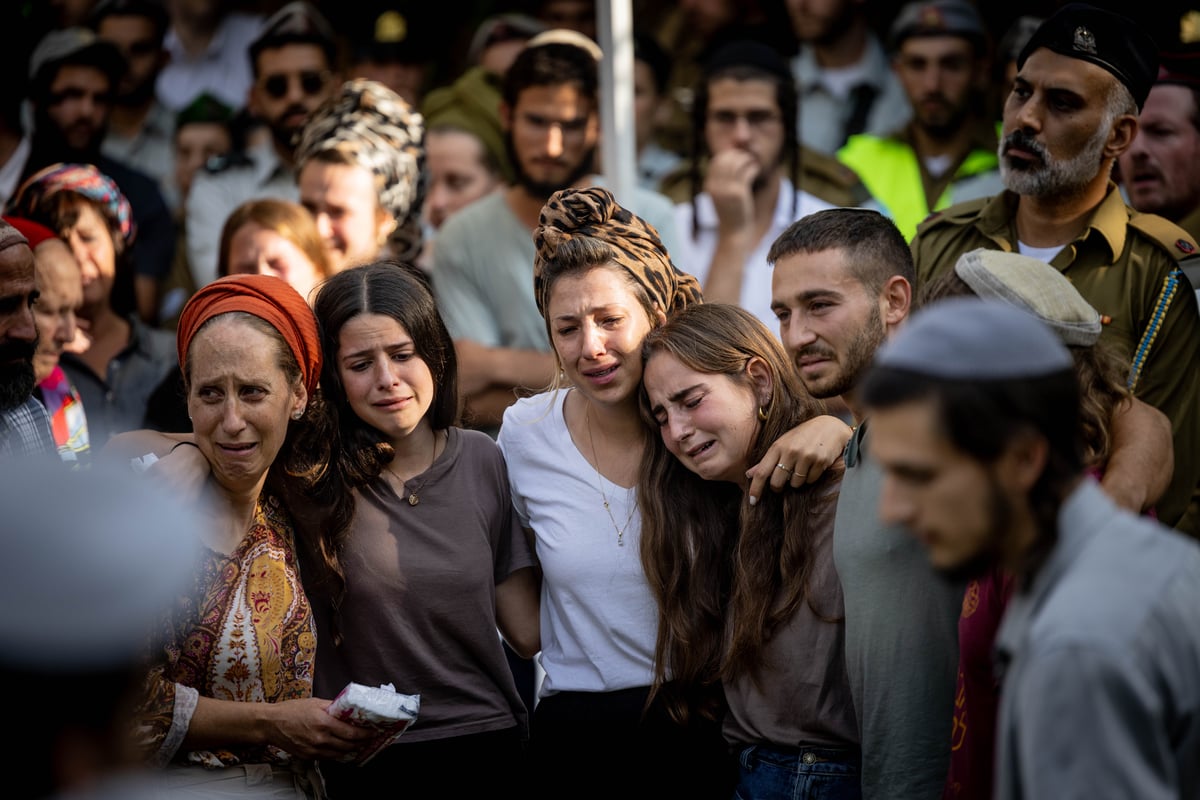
(1049, 71)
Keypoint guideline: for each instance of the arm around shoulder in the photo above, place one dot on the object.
(1142, 457)
(517, 611)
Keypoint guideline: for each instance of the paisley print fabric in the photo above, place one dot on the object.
(244, 633)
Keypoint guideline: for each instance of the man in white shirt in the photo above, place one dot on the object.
(745, 100)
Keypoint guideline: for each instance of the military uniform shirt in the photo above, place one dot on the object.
(1120, 264)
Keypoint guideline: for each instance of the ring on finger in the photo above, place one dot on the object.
(782, 467)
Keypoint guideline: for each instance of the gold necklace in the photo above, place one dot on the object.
(620, 529)
(413, 497)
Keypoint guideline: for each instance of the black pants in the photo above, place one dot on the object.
(605, 745)
(489, 764)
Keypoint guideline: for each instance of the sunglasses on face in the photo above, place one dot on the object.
(311, 83)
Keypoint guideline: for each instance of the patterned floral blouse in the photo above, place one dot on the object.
(245, 632)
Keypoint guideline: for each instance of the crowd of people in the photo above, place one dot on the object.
(854, 452)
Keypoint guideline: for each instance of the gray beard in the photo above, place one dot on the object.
(1053, 178)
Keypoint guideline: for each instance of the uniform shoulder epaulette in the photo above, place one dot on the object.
(1171, 238)
(957, 214)
(824, 176)
(828, 168)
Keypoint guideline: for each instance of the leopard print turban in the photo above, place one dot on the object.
(377, 129)
(593, 212)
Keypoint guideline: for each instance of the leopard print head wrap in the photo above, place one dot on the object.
(368, 124)
(632, 244)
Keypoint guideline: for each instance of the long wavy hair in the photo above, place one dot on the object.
(402, 292)
(725, 574)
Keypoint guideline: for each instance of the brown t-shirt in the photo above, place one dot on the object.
(802, 697)
(420, 606)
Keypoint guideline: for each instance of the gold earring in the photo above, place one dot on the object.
(762, 415)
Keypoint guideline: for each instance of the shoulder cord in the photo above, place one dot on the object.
(1170, 287)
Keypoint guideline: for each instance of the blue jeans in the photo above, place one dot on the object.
(808, 773)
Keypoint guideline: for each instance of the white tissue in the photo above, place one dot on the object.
(381, 708)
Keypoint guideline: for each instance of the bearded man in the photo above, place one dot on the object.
(483, 264)
(1082, 80)
(24, 426)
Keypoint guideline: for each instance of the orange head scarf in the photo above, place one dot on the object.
(266, 297)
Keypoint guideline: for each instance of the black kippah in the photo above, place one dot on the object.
(1107, 39)
(748, 53)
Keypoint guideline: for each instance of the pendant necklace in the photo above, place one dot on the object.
(413, 496)
(620, 529)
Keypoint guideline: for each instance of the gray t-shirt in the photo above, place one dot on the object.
(901, 641)
(420, 605)
(803, 696)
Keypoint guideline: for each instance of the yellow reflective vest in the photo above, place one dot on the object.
(892, 173)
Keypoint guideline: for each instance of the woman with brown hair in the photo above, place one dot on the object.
(602, 280)
(360, 167)
(229, 703)
(274, 237)
(749, 600)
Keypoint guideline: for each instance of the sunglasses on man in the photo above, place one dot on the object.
(311, 83)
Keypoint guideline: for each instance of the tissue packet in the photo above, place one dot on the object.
(381, 708)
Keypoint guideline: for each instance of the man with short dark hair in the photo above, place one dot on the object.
(841, 287)
(974, 410)
(841, 284)
(1161, 169)
(295, 70)
(73, 77)
(483, 262)
(946, 153)
(1083, 78)
(24, 426)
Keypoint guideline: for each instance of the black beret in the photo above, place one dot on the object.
(1107, 39)
(747, 53)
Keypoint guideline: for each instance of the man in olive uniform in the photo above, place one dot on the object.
(1083, 78)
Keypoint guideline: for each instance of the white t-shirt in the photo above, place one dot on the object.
(1046, 254)
(695, 255)
(598, 618)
